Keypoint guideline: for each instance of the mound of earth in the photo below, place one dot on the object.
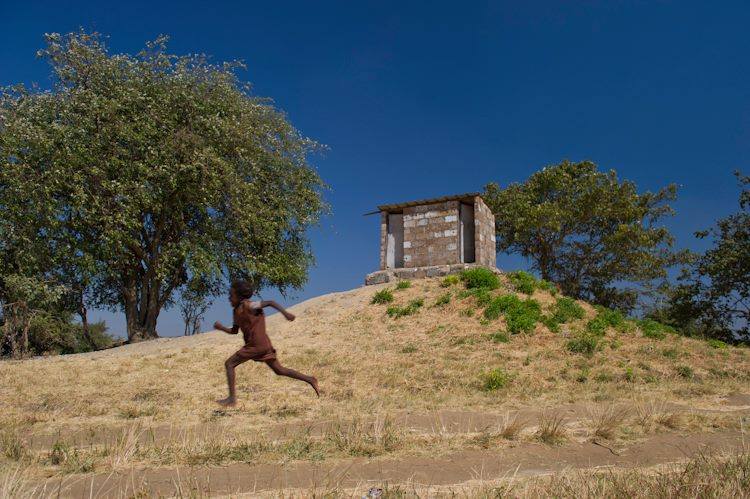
(442, 386)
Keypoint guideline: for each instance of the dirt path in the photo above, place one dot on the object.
(526, 459)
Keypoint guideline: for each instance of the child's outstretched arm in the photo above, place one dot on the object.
(233, 330)
(270, 303)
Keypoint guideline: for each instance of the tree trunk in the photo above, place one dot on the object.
(140, 315)
(84, 314)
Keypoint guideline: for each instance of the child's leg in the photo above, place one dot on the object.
(232, 362)
(291, 373)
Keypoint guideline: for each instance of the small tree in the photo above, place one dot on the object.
(138, 171)
(592, 234)
(194, 302)
(713, 295)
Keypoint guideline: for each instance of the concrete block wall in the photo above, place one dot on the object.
(431, 234)
(383, 238)
(484, 233)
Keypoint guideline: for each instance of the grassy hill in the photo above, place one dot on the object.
(443, 388)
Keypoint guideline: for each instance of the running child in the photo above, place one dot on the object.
(248, 316)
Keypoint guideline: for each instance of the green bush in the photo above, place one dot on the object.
(396, 311)
(523, 282)
(566, 309)
(629, 375)
(496, 379)
(583, 343)
(403, 284)
(652, 329)
(482, 295)
(597, 326)
(499, 337)
(480, 277)
(500, 305)
(523, 318)
(547, 286)
(443, 299)
(449, 281)
(520, 316)
(382, 296)
(685, 371)
(714, 343)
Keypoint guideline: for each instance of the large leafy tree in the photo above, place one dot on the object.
(588, 231)
(138, 173)
(713, 295)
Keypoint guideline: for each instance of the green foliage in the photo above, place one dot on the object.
(520, 316)
(606, 318)
(586, 230)
(403, 284)
(383, 296)
(480, 277)
(500, 305)
(583, 343)
(496, 379)
(409, 309)
(147, 170)
(443, 299)
(713, 296)
(499, 337)
(714, 343)
(547, 286)
(566, 310)
(656, 330)
(482, 295)
(450, 280)
(523, 282)
(409, 349)
(629, 375)
(685, 371)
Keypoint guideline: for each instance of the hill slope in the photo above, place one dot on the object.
(447, 383)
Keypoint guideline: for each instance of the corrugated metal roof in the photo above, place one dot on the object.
(396, 206)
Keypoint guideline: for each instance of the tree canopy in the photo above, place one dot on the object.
(136, 173)
(713, 293)
(594, 235)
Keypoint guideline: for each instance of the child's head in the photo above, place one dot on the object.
(240, 290)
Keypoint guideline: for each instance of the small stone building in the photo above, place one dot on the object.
(434, 237)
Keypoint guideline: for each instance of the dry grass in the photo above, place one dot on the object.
(552, 428)
(152, 404)
(606, 420)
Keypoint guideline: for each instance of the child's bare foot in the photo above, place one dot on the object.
(227, 402)
(314, 384)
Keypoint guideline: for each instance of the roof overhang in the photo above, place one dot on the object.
(419, 202)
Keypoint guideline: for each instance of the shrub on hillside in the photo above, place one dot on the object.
(443, 299)
(523, 318)
(450, 280)
(523, 282)
(584, 343)
(500, 337)
(480, 277)
(565, 310)
(482, 295)
(500, 305)
(652, 329)
(496, 379)
(396, 311)
(382, 296)
(403, 284)
(520, 315)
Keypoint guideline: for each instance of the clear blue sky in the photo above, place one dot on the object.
(420, 99)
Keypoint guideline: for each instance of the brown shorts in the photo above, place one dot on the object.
(251, 353)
